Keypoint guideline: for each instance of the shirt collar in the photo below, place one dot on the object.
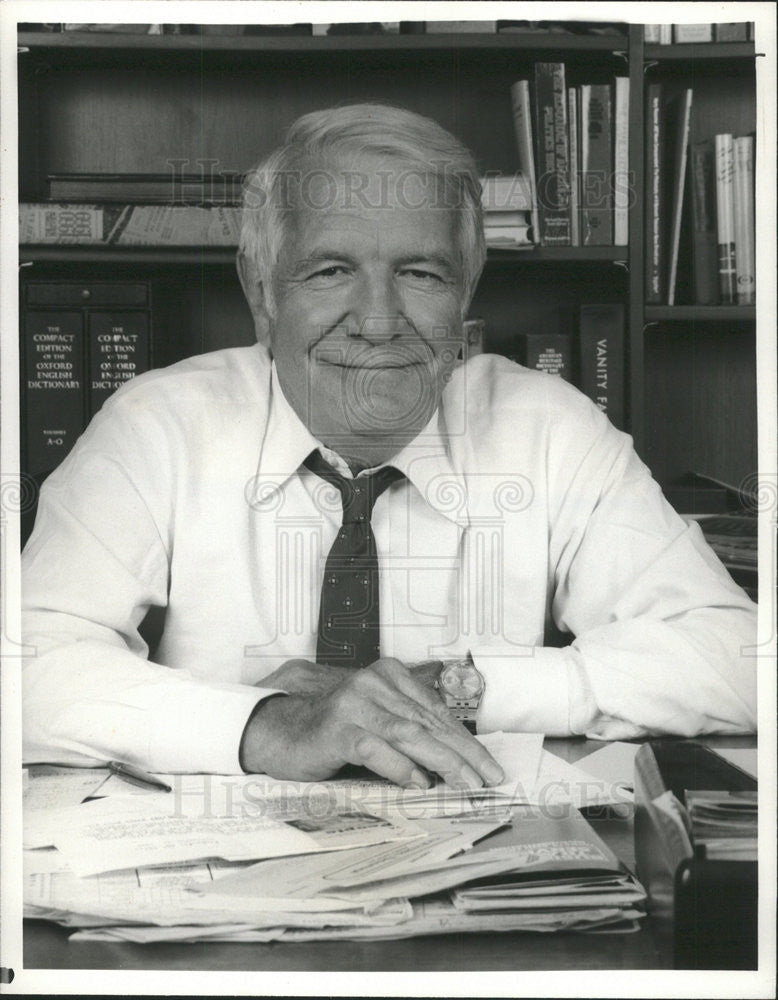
(425, 461)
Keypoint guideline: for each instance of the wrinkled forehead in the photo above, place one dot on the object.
(364, 182)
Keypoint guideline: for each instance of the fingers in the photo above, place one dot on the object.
(414, 722)
(453, 733)
(370, 750)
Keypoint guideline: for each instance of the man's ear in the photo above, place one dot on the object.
(254, 291)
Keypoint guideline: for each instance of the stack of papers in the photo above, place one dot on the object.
(724, 824)
(250, 858)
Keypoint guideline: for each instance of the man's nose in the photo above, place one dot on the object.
(379, 311)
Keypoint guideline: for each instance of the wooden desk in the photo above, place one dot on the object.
(46, 945)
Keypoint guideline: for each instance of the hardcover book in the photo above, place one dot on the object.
(601, 351)
(705, 264)
(655, 202)
(553, 168)
(596, 165)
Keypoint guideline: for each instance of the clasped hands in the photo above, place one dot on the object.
(385, 717)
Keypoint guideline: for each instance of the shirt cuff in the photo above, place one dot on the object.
(531, 690)
(202, 731)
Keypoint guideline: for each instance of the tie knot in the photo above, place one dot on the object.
(357, 495)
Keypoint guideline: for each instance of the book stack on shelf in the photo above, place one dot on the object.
(684, 34)
(508, 205)
(703, 188)
(173, 209)
(573, 145)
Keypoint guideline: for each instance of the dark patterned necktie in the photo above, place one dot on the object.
(349, 621)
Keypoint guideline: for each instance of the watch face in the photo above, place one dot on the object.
(461, 681)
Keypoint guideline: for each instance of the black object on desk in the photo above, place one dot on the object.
(704, 910)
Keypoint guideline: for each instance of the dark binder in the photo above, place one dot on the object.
(704, 911)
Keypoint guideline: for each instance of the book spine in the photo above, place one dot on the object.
(596, 166)
(725, 219)
(522, 123)
(119, 350)
(553, 154)
(62, 224)
(704, 242)
(601, 351)
(665, 34)
(731, 32)
(129, 225)
(575, 168)
(682, 123)
(653, 194)
(53, 387)
(692, 33)
(547, 352)
(651, 34)
(744, 220)
(621, 184)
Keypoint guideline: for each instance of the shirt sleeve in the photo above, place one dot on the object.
(663, 638)
(96, 561)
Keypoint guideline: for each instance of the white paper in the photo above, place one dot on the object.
(745, 759)
(560, 782)
(613, 762)
(111, 834)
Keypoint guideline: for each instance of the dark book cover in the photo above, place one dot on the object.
(601, 353)
(731, 32)
(119, 350)
(53, 391)
(553, 154)
(704, 249)
(546, 352)
(654, 194)
(596, 165)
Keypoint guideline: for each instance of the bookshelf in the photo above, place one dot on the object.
(690, 369)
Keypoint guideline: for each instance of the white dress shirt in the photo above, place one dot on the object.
(522, 506)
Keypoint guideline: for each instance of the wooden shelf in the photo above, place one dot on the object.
(693, 52)
(226, 255)
(128, 255)
(701, 314)
(97, 41)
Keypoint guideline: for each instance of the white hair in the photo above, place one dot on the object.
(410, 139)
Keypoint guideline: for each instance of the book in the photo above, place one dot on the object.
(684, 33)
(651, 34)
(506, 193)
(553, 161)
(129, 225)
(494, 218)
(53, 396)
(731, 32)
(522, 123)
(596, 165)
(725, 216)
(546, 352)
(601, 353)
(654, 195)
(511, 234)
(173, 188)
(665, 34)
(575, 167)
(621, 176)
(704, 248)
(745, 275)
(680, 117)
(461, 27)
(118, 351)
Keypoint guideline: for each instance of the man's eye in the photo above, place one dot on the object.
(422, 277)
(329, 272)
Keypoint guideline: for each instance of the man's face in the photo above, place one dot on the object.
(368, 305)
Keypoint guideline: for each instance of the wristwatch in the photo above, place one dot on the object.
(462, 687)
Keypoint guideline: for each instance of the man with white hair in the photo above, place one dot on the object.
(358, 540)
